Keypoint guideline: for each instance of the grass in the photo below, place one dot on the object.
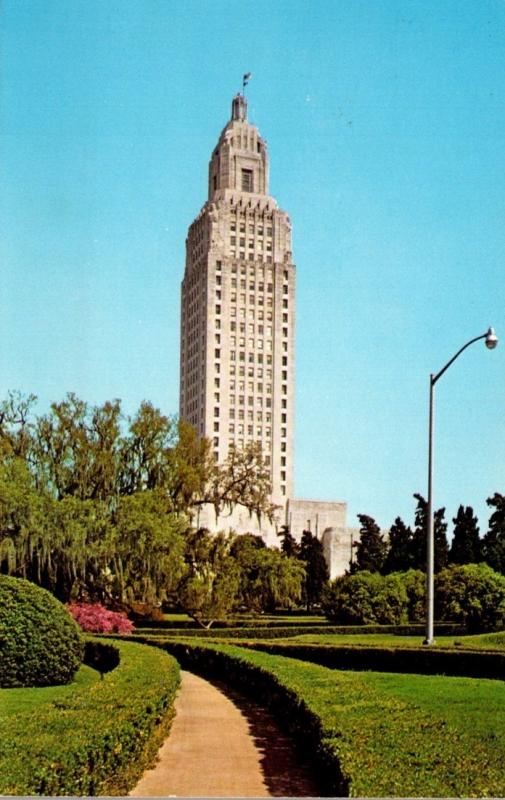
(489, 641)
(400, 735)
(93, 736)
(17, 702)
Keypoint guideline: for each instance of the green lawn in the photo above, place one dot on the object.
(493, 641)
(90, 737)
(402, 735)
(16, 702)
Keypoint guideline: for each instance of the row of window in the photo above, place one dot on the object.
(259, 229)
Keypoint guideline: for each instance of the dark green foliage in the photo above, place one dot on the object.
(269, 579)
(494, 540)
(441, 555)
(40, 644)
(317, 574)
(94, 740)
(409, 660)
(471, 594)
(249, 633)
(466, 546)
(366, 598)
(100, 656)
(209, 588)
(289, 544)
(400, 555)
(371, 549)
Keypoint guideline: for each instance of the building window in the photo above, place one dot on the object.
(216, 441)
(247, 181)
(216, 427)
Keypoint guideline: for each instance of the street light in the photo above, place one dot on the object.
(491, 342)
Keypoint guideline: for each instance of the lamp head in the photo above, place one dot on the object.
(491, 339)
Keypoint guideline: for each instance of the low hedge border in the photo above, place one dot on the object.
(422, 661)
(275, 632)
(302, 724)
(364, 741)
(94, 740)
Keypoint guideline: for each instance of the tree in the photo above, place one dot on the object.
(371, 549)
(366, 598)
(414, 582)
(441, 554)
(494, 541)
(289, 544)
(15, 425)
(317, 574)
(244, 479)
(400, 555)
(466, 544)
(269, 578)
(76, 449)
(472, 594)
(148, 548)
(209, 589)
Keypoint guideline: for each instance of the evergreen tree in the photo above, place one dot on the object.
(493, 545)
(400, 557)
(466, 544)
(441, 555)
(289, 544)
(317, 575)
(371, 550)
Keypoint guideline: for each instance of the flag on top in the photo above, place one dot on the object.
(246, 79)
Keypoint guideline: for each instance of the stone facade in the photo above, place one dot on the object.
(237, 332)
(238, 308)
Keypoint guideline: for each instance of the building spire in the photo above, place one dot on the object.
(239, 108)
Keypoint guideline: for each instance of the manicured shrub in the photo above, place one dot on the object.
(373, 735)
(40, 643)
(366, 598)
(267, 632)
(101, 656)
(94, 618)
(90, 739)
(471, 594)
(414, 582)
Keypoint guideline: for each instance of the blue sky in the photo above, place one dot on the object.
(385, 123)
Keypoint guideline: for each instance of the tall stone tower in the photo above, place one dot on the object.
(238, 308)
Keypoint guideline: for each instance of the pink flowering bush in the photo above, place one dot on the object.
(94, 618)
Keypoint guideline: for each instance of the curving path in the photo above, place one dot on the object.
(221, 745)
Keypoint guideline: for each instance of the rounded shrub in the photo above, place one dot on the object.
(40, 644)
(366, 598)
(472, 594)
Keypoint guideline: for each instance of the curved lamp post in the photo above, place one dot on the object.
(491, 342)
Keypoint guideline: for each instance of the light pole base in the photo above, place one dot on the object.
(429, 642)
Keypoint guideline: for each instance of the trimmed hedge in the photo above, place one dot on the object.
(442, 629)
(421, 661)
(90, 740)
(101, 656)
(40, 644)
(265, 688)
(371, 735)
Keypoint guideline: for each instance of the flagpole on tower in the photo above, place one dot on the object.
(245, 80)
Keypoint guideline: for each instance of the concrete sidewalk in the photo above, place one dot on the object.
(222, 746)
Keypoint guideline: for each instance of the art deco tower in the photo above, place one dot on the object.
(238, 308)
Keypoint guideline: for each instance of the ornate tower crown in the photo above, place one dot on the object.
(240, 160)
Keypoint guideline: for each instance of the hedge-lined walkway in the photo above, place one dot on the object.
(221, 745)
